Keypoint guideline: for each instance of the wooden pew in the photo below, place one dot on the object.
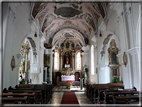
(27, 91)
(97, 94)
(41, 96)
(32, 96)
(48, 88)
(108, 98)
(15, 100)
(121, 97)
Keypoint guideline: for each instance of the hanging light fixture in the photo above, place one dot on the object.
(100, 34)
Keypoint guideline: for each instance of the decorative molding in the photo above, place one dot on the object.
(120, 18)
(113, 51)
(134, 51)
(128, 12)
(105, 42)
(125, 59)
(13, 63)
(11, 14)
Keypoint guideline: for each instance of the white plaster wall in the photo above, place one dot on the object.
(16, 30)
(117, 25)
(104, 74)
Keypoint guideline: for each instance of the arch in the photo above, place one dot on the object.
(80, 37)
(105, 46)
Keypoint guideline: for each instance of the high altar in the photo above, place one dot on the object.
(67, 60)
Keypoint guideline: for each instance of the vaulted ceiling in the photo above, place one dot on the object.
(68, 20)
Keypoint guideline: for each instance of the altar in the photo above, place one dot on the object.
(67, 78)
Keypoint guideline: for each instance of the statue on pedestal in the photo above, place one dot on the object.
(67, 72)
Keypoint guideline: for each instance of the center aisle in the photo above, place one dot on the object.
(69, 98)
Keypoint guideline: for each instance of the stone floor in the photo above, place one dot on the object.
(57, 97)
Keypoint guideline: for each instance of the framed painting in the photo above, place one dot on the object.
(13, 63)
(125, 59)
(114, 72)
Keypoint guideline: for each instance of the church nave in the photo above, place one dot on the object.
(74, 52)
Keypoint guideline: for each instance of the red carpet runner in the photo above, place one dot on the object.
(69, 98)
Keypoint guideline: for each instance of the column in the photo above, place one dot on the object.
(61, 61)
(73, 64)
(135, 66)
(51, 64)
(85, 62)
(81, 56)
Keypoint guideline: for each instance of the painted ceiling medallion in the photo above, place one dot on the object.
(68, 11)
(68, 22)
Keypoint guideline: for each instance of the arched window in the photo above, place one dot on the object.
(78, 61)
(92, 60)
(56, 61)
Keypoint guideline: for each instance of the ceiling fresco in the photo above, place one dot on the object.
(89, 20)
(67, 12)
(47, 21)
(80, 16)
(37, 8)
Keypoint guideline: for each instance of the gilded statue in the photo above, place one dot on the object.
(67, 60)
(22, 67)
(67, 72)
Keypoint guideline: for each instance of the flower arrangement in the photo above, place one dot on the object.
(117, 80)
(63, 73)
(69, 84)
(71, 74)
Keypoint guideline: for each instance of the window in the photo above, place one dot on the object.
(78, 61)
(56, 61)
(92, 60)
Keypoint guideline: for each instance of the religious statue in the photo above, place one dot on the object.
(22, 67)
(67, 45)
(67, 72)
(67, 60)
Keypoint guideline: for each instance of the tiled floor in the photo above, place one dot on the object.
(81, 96)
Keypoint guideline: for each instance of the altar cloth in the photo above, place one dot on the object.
(68, 78)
